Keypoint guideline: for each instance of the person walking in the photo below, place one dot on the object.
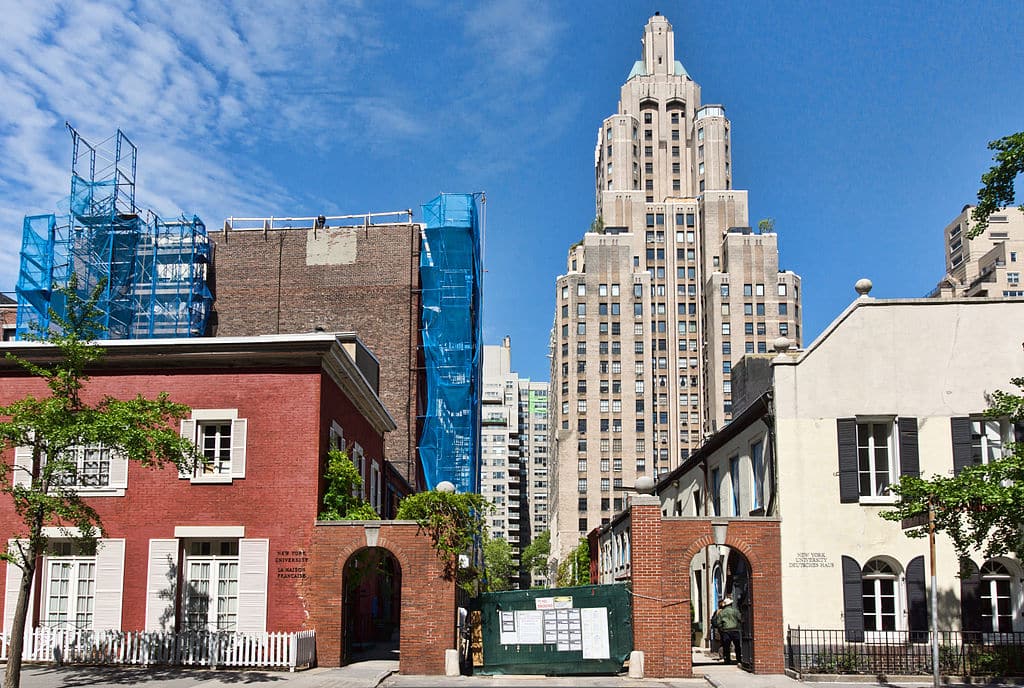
(728, 620)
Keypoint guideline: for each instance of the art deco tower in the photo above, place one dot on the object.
(667, 291)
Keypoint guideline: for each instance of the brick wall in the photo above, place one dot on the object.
(428, 616)
(351, 279)
(661, 551)
(277, 499)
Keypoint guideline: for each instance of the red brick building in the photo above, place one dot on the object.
(362, 279)
(265, 410)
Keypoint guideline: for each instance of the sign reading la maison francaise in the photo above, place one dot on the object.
(291, 563)
(811, 560)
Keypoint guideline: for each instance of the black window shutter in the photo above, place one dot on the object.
(853, 600)
(910, 462)
(849, 485)
(917, 600)
(970, 604)
(960, 431)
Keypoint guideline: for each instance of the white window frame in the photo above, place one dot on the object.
(359, 460)
(988, 588)
(217, 576)
(989, 437)
(234, 467)
(875, 496)
(80, 609)
(898, 579)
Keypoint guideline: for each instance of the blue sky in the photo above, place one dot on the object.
(861, 128)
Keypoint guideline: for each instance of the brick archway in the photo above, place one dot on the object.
(661, 551)
(427, 625)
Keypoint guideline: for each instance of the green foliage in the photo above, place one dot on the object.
(453, 520)
(342, 500)
(534, 558)
(979, 508)
(575, 570)
(597, 225)
(498, 564)
(57, 427)
(766, 225)
(997, 191)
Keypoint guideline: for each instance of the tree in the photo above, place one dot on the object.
(534, 559)
(498, 564)
(997, 190)
(453, 520)
(980, 507)
(575, 570)
(342, 497)
(57, 429)
(766, 225)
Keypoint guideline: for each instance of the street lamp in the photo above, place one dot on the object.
(719, 530)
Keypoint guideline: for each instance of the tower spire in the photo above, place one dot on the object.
(659, 46)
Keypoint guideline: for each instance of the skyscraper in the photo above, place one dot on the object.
(513, 437)
(667, 290)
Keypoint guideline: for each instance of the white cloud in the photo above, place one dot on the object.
(196, 84)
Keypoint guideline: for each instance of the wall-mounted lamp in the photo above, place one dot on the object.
(719, 530)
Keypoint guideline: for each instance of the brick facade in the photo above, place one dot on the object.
(661, 550)
(428, 611)
(346, 279)
(287, 400)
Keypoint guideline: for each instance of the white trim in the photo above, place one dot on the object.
(208, 532)
(214, 414)
(62, 532)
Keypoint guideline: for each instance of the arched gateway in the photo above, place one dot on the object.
(661, 552)
(369, 580)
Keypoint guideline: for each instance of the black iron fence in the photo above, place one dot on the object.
(961, 653)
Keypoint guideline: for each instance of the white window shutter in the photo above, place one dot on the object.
(109, 584)
(118, 471)
(22, 467)
(161, 584)
(253, 560)
(11, 590)
(238, 436)
(188, 431)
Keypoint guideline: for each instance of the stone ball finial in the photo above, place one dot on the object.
(863, 286)
(782, 344)
(445, 486)
(645, 484)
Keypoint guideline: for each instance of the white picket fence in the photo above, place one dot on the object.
(189, 648)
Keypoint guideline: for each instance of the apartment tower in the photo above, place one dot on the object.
(669, 288)
(513, 455)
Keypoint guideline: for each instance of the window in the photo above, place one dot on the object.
(783, 309)
(211, 590)
(782, 289)
(757, 471)
(1013, 278)
(994, 598)
(725, 328)
(220, 437)
(581, 289)
(716, 504)
(875, 458)
(70, 587)
(879, 592)
(581, 485)
(734, 484)
(759, 290)
(725, 290)
(783, 328)
(748, 289)
(981, 440)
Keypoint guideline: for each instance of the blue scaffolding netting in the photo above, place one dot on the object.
(451, 276)
(153, 271)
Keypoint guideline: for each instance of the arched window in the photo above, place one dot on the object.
(995, 598)
(881, 596)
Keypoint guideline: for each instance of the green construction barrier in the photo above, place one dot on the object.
(561, 631)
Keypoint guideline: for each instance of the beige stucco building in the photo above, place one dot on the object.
(990, 264)
(667, 291)
(891, 387)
